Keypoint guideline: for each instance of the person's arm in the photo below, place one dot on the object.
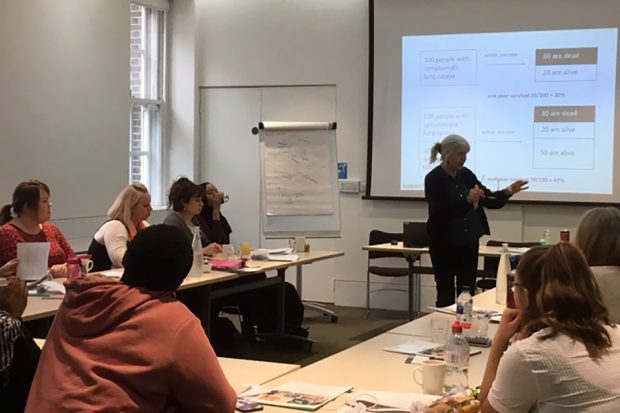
(60, 270)
(115, 237)
(507, 376)
(497, 199)
(8, 245)
(198, 382)
(10, 268)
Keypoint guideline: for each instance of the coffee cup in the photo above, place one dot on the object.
(86, 264)
(298, 244)
(430, 376)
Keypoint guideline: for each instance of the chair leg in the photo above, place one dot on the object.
(367, 296)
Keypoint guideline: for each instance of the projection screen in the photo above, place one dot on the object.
(530, 84)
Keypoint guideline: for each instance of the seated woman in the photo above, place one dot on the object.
(130, 346)
(258, 307)
(598, 237)
(126, 217)
(185, 199)
(32, 209)
(19, 354)
(567, 354)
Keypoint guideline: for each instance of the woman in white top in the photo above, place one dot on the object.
(598, 237)
(566, 357)
(126, 217)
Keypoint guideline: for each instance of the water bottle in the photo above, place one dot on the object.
(464, 310)
(456, 357)
(196, 270)
(546, 238)
(74, 268)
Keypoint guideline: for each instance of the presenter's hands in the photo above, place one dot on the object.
(10, 268)
(516, 186)
(14, 297)
(474, 195)
(212, 249)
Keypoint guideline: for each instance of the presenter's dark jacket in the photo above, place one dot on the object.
(451, 219)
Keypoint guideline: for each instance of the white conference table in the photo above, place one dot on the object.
(41, 307)
(414, 278)
(367, 366)
(243, 373)
(483, 250)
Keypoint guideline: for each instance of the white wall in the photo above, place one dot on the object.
(64, 105)
(279, 42)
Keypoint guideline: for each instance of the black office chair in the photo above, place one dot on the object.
(380, 237)
(490, 264)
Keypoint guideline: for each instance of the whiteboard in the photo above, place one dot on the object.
(299, 191)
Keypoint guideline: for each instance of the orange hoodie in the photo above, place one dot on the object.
(117, 348)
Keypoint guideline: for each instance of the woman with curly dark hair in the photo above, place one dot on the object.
(566, 356)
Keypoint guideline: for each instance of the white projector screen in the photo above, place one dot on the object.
(534, 95)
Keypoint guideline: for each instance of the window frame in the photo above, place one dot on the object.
(153, 128)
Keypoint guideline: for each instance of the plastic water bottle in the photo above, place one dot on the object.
(196, 270)
(456, 357)
(546, 238)
(464, 310)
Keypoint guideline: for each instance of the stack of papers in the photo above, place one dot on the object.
(281, 254)
(299, 395)
(424, 348)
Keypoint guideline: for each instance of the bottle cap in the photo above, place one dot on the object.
(456, 327)
(73, 260)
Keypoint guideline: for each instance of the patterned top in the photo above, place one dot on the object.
(557, 375)
(11, 235)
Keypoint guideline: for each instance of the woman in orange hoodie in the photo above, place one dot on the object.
(130, 346)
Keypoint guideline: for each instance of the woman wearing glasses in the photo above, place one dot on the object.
(566, 357)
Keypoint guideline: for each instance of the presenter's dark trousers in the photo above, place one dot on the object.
(450, 261)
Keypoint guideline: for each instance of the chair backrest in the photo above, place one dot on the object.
(415, 234)
(490, 264)
(381, 237)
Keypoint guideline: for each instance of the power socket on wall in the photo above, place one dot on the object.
(349, 185)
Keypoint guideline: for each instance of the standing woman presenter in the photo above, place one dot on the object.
(456, 218)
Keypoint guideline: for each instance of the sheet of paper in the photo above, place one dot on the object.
(33, 258)
(299, 395)
(283, 257)
(113, 273)
(383, 399)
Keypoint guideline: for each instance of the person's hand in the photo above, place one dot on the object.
(510, 324)
(10, 268)
(14, 297)
(516, 186)
(58, 270)
(474, 195)
(212, 249)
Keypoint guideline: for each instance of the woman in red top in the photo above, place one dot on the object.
(26, 220)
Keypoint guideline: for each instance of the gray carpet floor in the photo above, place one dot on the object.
(350, 329)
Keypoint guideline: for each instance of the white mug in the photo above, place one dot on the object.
(87, 265)
(298, 244)
(433, 372)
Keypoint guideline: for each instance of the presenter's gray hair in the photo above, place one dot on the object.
(447, 145)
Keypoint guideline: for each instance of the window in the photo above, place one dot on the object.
(148, 51)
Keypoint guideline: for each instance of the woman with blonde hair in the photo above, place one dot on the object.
(598, 237)
(26, 219)
(566, 356)
(126, 217)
